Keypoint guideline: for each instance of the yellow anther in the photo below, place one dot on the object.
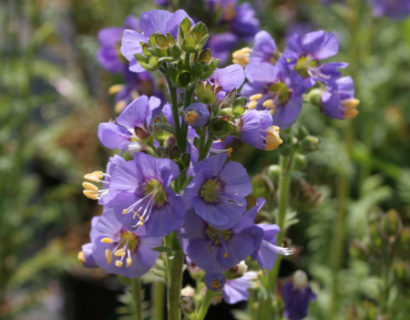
(255, 96)
(350, 106)
(191, 116)
(272, 111)
(268, 103)
(118, 264)
(95, 176)
(128, 262)
(124, 211)
(229, 12)
(81, 256)
(89, 186)
(273, 139)
(229, 152)
(253, 104)
(350, 113)
(351, 103)
(226, 255)
(119, 106)
(108, 256)
(216, 284)
(91, 194)
(115, 88)
(106, 240)
(241, 56)
(119, 253)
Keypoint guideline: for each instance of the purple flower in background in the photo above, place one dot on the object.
(303, 54)
(214, 281)
(338, 101)
(141, 195)
(297, 295)
(237, 290)
(109, 39)
(196, 115)
(162, 3)
(276, 88)
(155, 21)
(241, 22)
(118, 250)
(264, 48)
(221, 44)
(131, 126)
(257, 129)
(218, 190)
(218, 250)
(395, 9)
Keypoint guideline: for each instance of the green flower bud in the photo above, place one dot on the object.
(221, 128)
(301, 132)
(401, 270)
(299, 162)
(205, 93)
(405, 239)
(184, 78)
(309, 144)
(274, 171)
(314, 96)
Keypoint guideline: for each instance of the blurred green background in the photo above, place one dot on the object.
(53, 94)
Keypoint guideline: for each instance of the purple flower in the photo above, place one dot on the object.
(118, 250)
(109, 40)
(257, 129)
(297, 294)
(85, 256)
(131, 126)
(196, 115)
(236, 290)
(218, 250)
(221, 44)
(303, 54)
(141, 195)
(228, 78)
(155, 21)
(275, 88)
(264, 48)
(395, 9)
(162, 3)
(218, 190)
(338, 101)
(266, 253)
(214, 281)
(245, 24)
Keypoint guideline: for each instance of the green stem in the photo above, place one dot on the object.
(158, 303)
(343, 189)
(137, 294)
(174, 277)
(205, 149)
(286, 163)
(205, 305)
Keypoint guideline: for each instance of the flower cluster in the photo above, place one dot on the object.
(144, 193)
(171, 191)
(276, 82)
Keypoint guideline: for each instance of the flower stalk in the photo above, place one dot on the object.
(137, 295)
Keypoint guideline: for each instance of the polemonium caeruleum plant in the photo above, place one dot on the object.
(172, 193)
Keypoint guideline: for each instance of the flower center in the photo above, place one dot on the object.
(155, 188)
(128, 237)
(209, 190)
(216, 284)
(218, 237)
(303, 65)
(281, 90)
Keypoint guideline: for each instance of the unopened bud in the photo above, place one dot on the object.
(309, 144)
(299, 162)
(401, 270)
(405, 239)
(274, 171)
(314, 96)
(187, 304)
(239, 270)
(300, 279)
